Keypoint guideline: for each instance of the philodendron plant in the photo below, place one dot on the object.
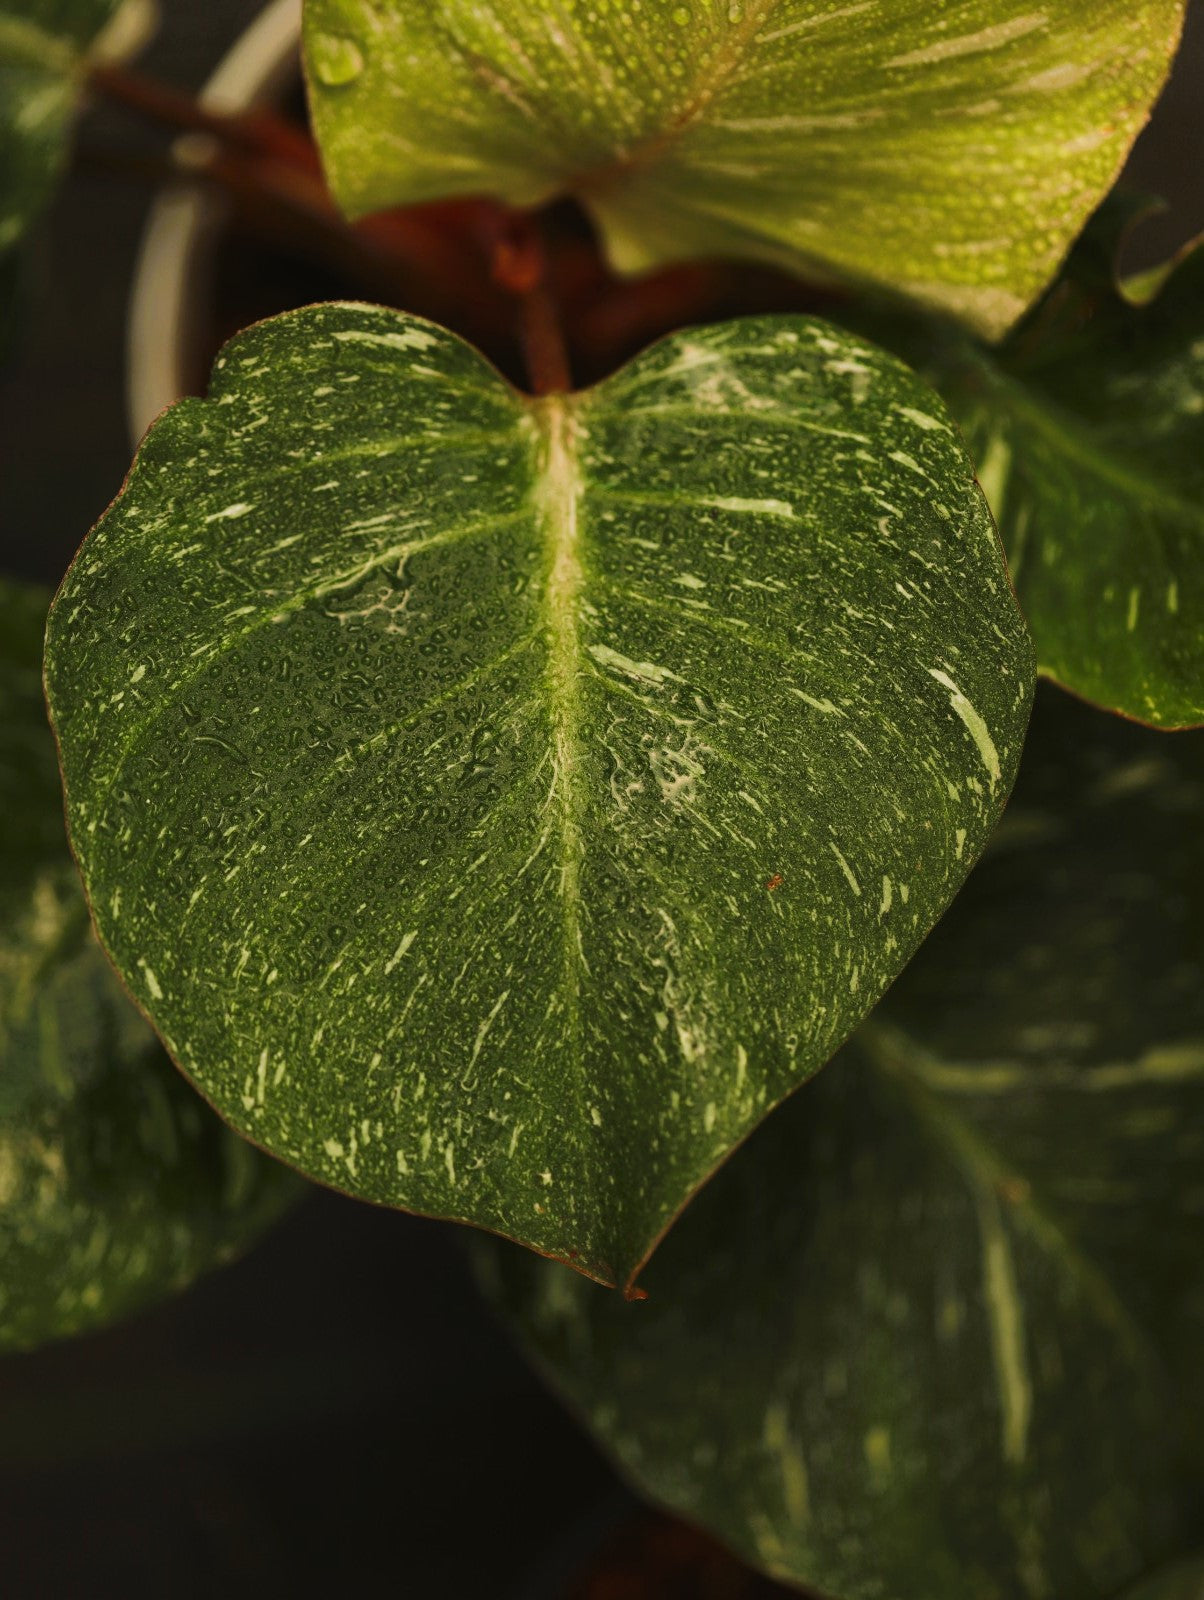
(500, 795)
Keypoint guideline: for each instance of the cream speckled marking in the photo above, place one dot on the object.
(850, 875)
(791, 1463)
(1007, 1328)
(975, 725)
(806, 24)
(966, 44)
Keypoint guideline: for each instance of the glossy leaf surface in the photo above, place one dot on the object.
(117, 1184)
(935, 1333)
(950, 153)
(43, 48)
(498, 805)
(1088, 428)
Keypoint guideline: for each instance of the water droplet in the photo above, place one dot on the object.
(336, 59)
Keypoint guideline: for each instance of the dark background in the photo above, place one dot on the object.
(338, 1412)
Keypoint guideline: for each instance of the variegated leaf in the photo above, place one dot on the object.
(498, 805)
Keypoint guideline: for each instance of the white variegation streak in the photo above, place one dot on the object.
(1006, 1312)
(948, 152)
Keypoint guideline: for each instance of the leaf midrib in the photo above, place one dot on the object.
(892, 1056)
(703, 92)
(558, 498)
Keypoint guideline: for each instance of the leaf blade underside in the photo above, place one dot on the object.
(966, 150)
(934, 1332)
(117, 1185)
(512, 801)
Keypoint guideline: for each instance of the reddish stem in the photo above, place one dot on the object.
(520, 266)
(258, 131)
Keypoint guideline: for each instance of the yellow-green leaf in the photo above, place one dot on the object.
(946, 152)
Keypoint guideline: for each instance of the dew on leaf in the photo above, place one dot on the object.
(337, 59)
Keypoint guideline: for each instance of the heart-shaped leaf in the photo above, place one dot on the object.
(117, 1185)
(935, 1333)
(498, 805)
(1088, 428)
(44, 45)
(947, 154)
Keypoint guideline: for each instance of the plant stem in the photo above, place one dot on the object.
(259, 130)
(259, 150)
(543, 343)
(520, 266)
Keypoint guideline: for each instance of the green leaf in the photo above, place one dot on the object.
(117, 1185)
(1088, 428)
(44, 46)
(935, 1333)
(509, 801)
(1183, 1582)
(949, 155)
